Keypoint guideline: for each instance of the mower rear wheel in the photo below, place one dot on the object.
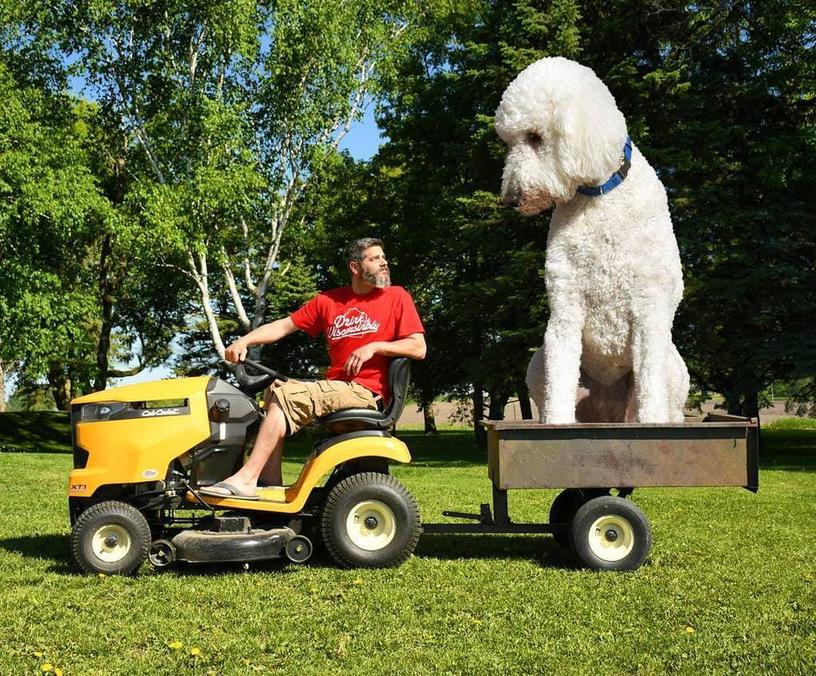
(110, 537)
(370, 520)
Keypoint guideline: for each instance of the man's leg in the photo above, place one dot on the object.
(266, 455)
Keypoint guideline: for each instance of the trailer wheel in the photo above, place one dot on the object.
(110, 537)
(370, 520)
(564, 507)
(610, 533)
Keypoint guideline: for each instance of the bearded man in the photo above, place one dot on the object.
(366, 325)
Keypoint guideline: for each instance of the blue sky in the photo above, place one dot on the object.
(364, 137)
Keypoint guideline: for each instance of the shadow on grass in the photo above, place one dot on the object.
(51, 547)
(35, 431)
(54, 549)
(540, 548)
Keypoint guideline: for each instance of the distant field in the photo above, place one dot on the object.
(729, 586)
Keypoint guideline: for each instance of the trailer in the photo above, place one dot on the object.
(598, 466)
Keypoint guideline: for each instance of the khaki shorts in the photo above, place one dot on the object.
(303, 402)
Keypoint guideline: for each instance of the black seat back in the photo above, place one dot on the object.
(399, 377)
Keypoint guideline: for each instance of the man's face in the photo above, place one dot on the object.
(373, 269)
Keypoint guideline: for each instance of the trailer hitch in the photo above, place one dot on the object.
(485, 516)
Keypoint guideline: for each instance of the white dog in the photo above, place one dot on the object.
(613, 272)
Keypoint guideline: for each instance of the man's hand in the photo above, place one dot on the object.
(359, 357)
(236, 352)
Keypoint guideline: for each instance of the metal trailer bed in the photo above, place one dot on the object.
(588, 460)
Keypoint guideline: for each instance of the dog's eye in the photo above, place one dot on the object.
(534, 138)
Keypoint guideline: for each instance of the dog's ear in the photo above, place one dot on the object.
(575, 143)
(590, 144)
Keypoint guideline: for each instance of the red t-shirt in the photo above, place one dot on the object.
(351, 320)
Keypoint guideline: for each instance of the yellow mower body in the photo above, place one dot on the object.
(139, 449)
(292, 499)
(172, 419)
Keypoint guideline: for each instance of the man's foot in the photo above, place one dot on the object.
(227, 490)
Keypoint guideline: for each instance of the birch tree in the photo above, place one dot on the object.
(229, 108)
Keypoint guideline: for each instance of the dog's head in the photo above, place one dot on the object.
(562, 130)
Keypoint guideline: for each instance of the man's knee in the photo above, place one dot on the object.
(274, 413)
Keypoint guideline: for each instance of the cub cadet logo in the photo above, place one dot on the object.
(151, 412)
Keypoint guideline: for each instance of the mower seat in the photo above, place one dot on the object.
(399, 375)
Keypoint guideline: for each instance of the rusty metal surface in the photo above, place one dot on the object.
(532, 455)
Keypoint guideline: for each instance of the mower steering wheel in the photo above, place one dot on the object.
(250, 384)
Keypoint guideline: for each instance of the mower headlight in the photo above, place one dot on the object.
(105, 411)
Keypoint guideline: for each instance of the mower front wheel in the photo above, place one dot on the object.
(370, 520)
(110, 537)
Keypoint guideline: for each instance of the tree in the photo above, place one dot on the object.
(719, 97)
(228, 109)
(78, 291)
(473, 265)
(48, 212)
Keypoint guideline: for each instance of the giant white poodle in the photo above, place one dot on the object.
(613, 272)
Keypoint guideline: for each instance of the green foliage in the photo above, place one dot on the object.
(24, 431)
(48, 214)
(226, 114)
(72, 270)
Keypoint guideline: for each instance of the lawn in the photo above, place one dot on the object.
(729, 587)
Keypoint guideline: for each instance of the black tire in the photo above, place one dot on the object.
(370, 520)
(564, 507)
(610, 533)
(111, 537)
(299, 549)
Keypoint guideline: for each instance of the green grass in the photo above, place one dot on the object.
(729, 587)
(793, 424)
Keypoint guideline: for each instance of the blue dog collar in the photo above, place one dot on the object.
(616, 179)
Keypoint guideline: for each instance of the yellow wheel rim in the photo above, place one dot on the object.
(111, 543)
(611, 537)
(371, 525)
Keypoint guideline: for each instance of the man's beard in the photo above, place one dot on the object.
(380, 279)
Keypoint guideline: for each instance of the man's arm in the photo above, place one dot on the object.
(412, 346)
(268, 333)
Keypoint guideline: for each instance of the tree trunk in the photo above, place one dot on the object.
(524, 401)
(106, 295)
(60, 386)
(428, 416)
(742, 403)
(478, 415)
(498, 402)
(2, 389)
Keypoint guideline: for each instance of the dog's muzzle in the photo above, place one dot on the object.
(512, 198)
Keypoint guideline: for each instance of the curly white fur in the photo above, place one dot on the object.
(613, 271)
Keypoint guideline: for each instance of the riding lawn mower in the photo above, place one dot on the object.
(142, 452)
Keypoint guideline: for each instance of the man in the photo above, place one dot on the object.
(366, 324)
